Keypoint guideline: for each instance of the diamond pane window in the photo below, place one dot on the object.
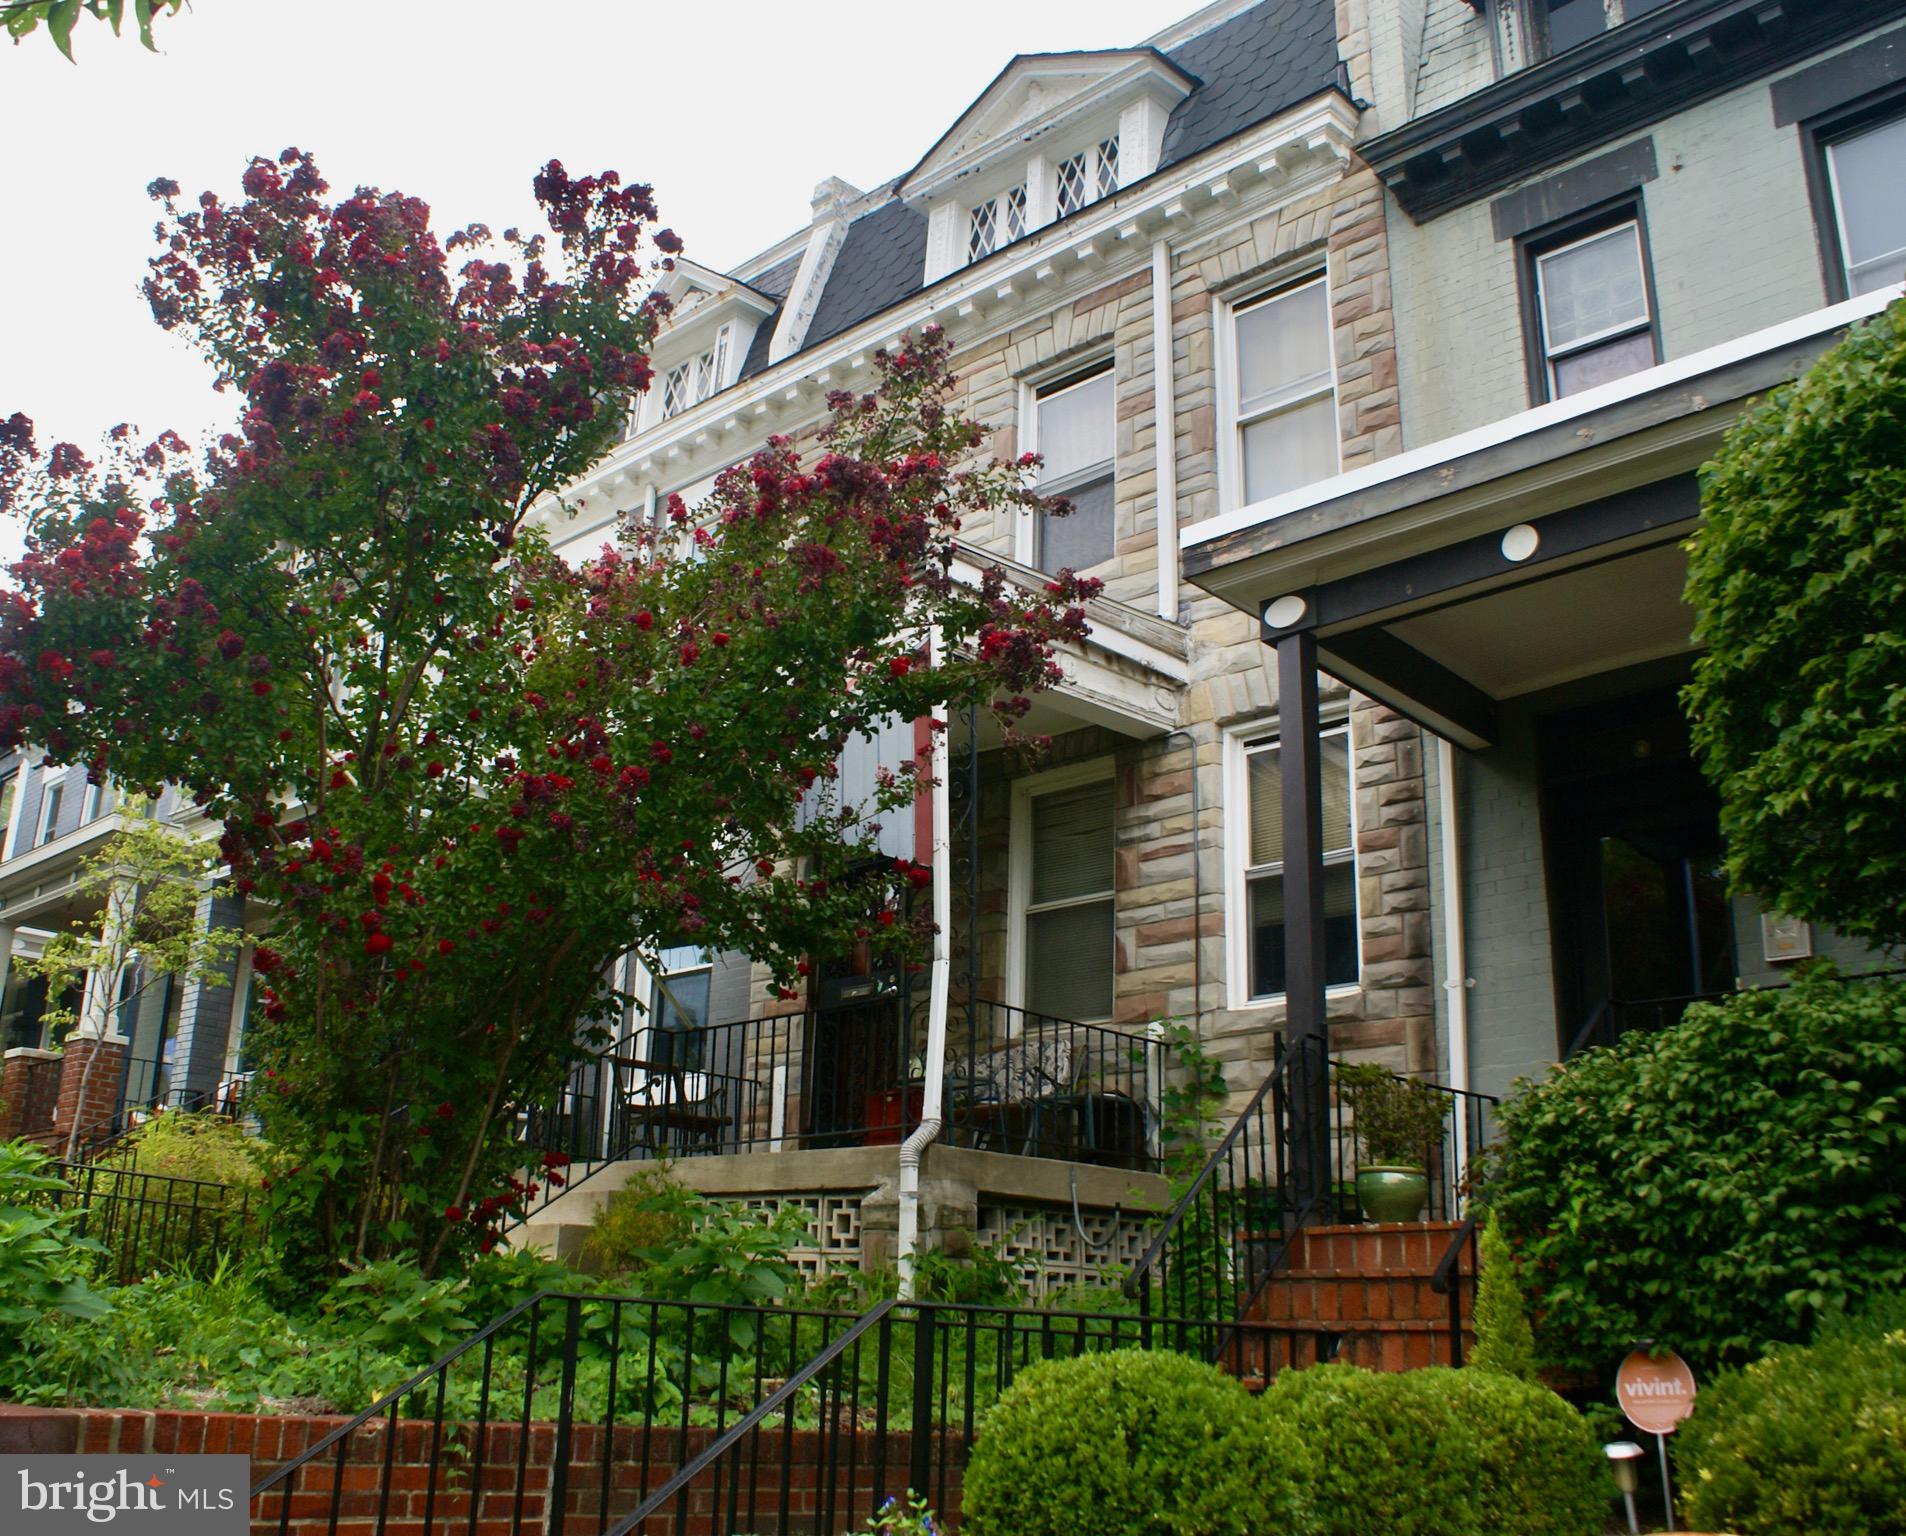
(1108, 166)
(980, 236)
(675, 390)
(1013, 213)
(1072, 185)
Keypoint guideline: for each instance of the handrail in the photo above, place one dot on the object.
(1443, 1283)
(1175, 1217)
(723, 1443)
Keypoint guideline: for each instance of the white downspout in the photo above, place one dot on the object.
(1164, 432)
(1455, 970)
(934, 1091)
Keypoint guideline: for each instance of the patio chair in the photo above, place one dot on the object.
(672, 1110)
(1014, 1094)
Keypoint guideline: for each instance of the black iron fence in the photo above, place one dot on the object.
(1015, 1082)
(1230, 1233)
(607, 1415)
(147, 1087)
(146, 1222)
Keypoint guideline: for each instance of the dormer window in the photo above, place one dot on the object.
(997, 221)
(1088, 176)
(694, 381)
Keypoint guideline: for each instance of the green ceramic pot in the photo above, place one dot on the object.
(1389, 1193)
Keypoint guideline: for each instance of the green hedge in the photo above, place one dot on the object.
(1720, 1186)
(1131, 1443)
(1807, 1441)
(1441, 1453)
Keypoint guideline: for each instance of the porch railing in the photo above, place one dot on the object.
(150, 1221)
(1230, 1234)
(1016, 1082)
(614, 1414)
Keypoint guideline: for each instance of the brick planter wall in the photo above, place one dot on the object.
(26, 1107)
(96, 1108)
(635, 1463)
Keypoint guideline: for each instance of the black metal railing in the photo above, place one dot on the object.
(151, 1221)
(1230, 1234)
(612, 1414)
(1016, 1082)
(147, 1088)
(1451, 1280)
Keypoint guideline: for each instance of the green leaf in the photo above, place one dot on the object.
(59, 21)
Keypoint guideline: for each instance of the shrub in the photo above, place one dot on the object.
(1441, 1453)
(199, 1144)
(1504, 1342)
(1798, 578)
(648, 1213)
(1129, 1443)
(42, 1259)
(1719, 1186)
(1807, 1440)
(1387, 1456)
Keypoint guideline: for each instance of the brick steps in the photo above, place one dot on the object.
(1370, 1286)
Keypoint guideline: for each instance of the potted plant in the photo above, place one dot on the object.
(1399, 1127)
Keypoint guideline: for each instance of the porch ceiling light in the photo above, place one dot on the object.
(1520, 542)
(1284, 611)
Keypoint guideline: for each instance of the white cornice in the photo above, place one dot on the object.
(1277, 162)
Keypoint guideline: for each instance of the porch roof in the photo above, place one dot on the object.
(1535, 550)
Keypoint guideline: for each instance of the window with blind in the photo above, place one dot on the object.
(1073, 430)
(1068, 932)
(1285, 392)
(1264, 866)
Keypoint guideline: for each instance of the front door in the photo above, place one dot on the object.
(856, 1059)
(1640, 912)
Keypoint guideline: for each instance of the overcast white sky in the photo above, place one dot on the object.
(732, 110)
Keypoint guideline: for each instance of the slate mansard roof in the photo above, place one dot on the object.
(1249, 68)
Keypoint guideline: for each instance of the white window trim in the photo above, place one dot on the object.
(1844, 255)
(52, 797)
(1019, 868)
(1076, 371)
(1551, 355)
(642, 985)
(1224, 315)
(1238, 740)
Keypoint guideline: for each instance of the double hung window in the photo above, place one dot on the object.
(680, 989)
(1593, 310)
(1286, 391)
(1264, 865)
(1866, 169)
(1069, 902)
(1073, 430)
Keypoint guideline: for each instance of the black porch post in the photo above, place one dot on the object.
(1301, 787)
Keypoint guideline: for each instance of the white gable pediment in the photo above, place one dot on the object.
(1035, 95)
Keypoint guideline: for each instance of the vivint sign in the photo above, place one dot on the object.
(147, 1495)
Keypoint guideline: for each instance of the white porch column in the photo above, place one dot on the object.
(96, 1020)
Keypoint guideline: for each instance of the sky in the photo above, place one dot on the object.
(732, 111)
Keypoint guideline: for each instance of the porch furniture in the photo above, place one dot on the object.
(673, 1109)
(1017, 1095)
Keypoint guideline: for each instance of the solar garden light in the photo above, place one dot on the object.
(1624, 1460)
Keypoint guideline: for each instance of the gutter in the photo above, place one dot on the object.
(933, 1098)
(1456, 982)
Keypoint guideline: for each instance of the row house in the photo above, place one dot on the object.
(1376, 343)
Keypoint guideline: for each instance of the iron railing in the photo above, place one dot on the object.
(1016, 1082)
(1230, 1234)
(146, 1089)
(603, 1415)
(152, 1221)
(1447, 1280)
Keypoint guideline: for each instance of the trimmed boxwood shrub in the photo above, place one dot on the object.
(1441, 1453)
(1132, 1443)
(1808, 1440)
(1720, 1186)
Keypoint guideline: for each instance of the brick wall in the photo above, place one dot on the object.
(821, 1476)
(89, 1086)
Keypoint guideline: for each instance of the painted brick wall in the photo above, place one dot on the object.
(1731, 239)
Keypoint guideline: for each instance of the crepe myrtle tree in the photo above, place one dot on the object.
(463, 774)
